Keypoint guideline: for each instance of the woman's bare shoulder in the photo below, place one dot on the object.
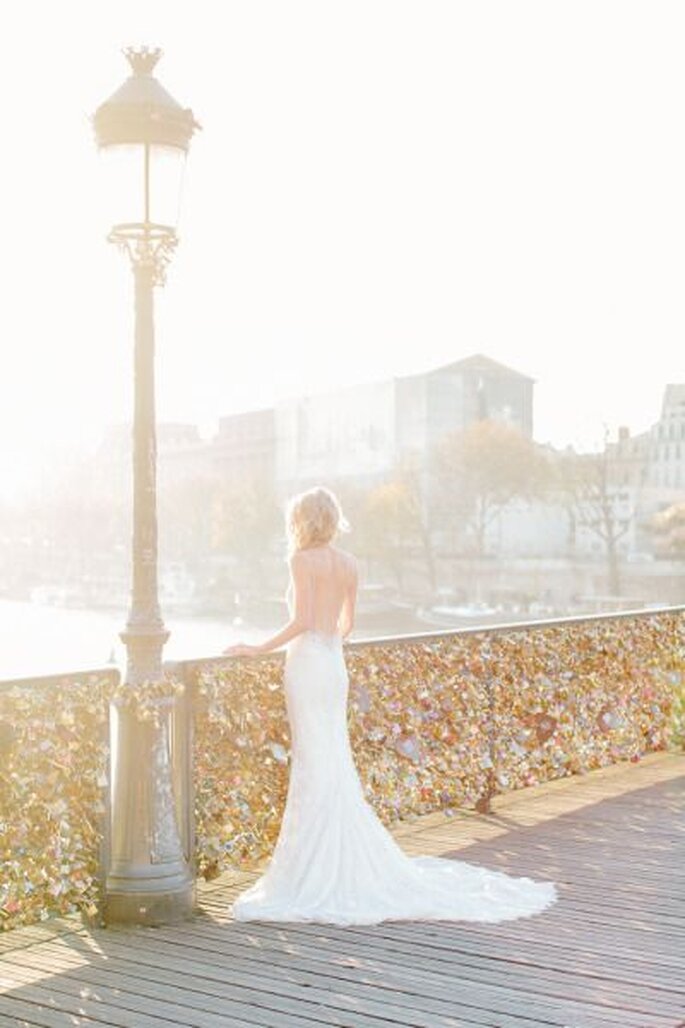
(348, 558)
(298, 559)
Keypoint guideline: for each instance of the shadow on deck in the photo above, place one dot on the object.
(611, 952)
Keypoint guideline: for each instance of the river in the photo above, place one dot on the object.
(41, 639)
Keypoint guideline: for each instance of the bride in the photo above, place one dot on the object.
(334, 861)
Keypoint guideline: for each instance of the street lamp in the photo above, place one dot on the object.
(144, 135)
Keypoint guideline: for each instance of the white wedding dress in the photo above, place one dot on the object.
(334, 860)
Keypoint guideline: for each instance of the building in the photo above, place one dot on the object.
(181, 456)
(645, 473)
(451, 397)
(655, 459)
(651, 464)
(665, 445)
(245, 445)
(362, 432)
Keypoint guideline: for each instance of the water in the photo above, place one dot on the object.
(41, 639)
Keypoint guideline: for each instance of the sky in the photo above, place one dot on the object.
(378, 188)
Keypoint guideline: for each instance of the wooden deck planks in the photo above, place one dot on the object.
(610, 953)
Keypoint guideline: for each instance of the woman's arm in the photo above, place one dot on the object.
(346, 619)
(301, 618)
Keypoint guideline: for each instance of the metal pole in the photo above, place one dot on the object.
(145, 633)
(149, 880)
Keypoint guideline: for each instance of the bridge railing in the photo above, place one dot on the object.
(438, 721)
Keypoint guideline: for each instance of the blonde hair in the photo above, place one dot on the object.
(313, 518)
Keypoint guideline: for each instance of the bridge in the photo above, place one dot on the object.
(611, 834)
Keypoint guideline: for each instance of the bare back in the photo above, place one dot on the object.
(322, 589)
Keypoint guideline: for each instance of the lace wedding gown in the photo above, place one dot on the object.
(334, 860)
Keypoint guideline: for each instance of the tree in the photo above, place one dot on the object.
(245, 522)
(397, 524)
(668, 528)
(481, 469)
(567, 473)
(185, 518)
(597, 503)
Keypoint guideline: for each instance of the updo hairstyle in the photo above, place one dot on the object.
(313, 518)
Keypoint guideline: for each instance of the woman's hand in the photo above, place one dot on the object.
(241, 650)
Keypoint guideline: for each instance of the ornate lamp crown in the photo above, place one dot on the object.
(142, 59)
(141, 111)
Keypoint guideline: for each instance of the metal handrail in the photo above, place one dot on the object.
(187, 663)
(197, 663)
(80, 675)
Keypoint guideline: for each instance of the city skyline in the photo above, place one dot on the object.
(210, 432)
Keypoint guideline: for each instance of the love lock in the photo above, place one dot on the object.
(545, 726)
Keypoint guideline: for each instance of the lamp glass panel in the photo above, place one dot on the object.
(167, 165)
(122, 184)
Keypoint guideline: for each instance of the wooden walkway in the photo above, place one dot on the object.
(611, 952)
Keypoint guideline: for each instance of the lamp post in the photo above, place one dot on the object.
(144, 133)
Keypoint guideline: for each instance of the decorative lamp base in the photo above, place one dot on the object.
(150, 908)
